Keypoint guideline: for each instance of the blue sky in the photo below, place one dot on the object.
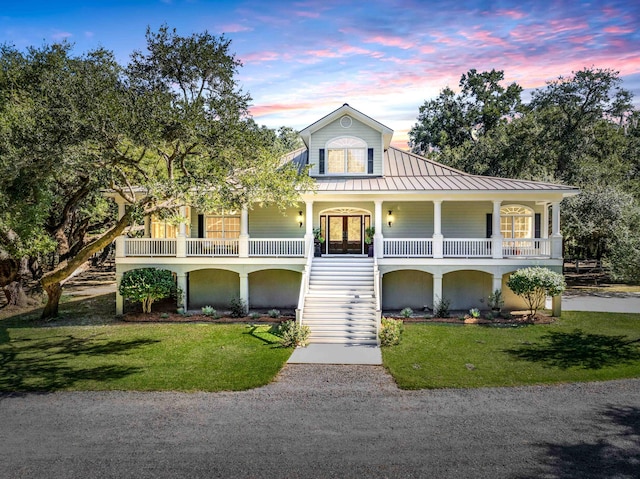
(303, 59)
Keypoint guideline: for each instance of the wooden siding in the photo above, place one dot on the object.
(411, 220)
(462, 219)
(271, 223)
(333, 130)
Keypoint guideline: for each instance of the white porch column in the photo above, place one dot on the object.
(121, 210)
(182, 286)
(377, 237)
(181, 237)
(497, 282)
(243, 240)
(147, 226)
(308, 227)
(182, 228)
(244, 289)
(544, 226)
(496, 236)
(119, 298)
(438, 239)
(120, 247)
(556, 237)
(437, 289)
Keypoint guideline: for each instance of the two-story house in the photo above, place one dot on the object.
(439, 234)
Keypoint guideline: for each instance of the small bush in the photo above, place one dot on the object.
(254, 316)
(441, 308)
(390, 331)
(238, 308)
(535, 284)
(274, 313)
(208, 311)
(474, 312)
(164, 316)
(292, 334)
(146, 285)
(406, 312)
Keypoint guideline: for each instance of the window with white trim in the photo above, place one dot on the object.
(161, 228)
(222, 226)
(346, 155)
(516, 221)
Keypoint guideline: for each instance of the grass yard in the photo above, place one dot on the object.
(579, 347)
(138, 357)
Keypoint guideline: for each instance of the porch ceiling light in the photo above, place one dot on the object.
(300, 218)
(390, 218)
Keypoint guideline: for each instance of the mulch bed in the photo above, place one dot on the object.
(540, 318)
(164, 317)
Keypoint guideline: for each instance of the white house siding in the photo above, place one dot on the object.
(463, 219)
(274, 289)
(213, 287)
(333, 130)
(411, 219)
(270, 222)
(407, 288)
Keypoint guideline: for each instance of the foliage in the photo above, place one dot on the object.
(254, 315)
(534, 284)
(406, 312)
(474, 313)
(292, 334)
(147, 285)
(441, 308)
(210, 312)
(390, 331)
(369, 234)
(317, 235)
(495, 300)
(274, 313)
(237, 307)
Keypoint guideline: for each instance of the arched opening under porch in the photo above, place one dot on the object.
(467, 289)
(212, 287)
(274, 288)
(407, 288)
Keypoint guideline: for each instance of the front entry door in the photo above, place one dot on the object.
(345, 235)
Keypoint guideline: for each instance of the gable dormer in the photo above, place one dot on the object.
(346, 143)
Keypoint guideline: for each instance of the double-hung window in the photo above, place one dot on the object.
(222, 226)
(347, 155)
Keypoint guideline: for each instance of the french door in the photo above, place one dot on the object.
(345, 233)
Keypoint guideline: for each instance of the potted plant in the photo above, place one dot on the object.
(318, 239)
(495, 301)
(368, 239)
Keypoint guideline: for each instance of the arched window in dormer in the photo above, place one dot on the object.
(346, 155)
(516, 221)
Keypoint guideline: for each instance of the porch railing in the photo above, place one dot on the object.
(212, 247)
(408, 247)
(466, 248)
(150, 247)
(526, 247)
(276, 247)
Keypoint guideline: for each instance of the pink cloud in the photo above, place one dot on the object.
(618, 30)
(515, 14)
(483, 37)
(390, 41)
(259, 57)
(235, 28)
(307, 14)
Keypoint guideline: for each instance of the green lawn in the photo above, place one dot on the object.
(140, 357)
(579, 347)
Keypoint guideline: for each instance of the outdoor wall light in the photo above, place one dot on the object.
(300, 218)
(390, 218)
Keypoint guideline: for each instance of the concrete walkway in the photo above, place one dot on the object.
(608, 304)
(336, 354)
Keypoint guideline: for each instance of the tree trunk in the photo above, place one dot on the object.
(53, 280)
(54, 292)
(15, 294)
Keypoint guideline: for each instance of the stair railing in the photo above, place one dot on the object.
(304, 282)
(376, 295)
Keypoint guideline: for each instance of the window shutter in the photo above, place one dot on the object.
(370, 161)
(200, 226)
(489, 225)
(321, 165)
(537, 224)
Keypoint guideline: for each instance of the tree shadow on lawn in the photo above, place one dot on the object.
(264, 334)
(617, 454)
(580, 349)
(52, 364)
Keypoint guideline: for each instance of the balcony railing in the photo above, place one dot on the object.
(295, 247)
(276, 247)
(212, 247)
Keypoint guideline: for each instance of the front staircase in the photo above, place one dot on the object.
(340, 306)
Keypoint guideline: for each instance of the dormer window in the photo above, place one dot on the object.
(347, 155)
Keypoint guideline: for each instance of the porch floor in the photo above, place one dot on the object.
(319, 353)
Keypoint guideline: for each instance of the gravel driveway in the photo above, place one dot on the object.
(327, 421)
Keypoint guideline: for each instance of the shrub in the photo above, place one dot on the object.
(406, 312)
(164, 316)
(474, 312)
(238, 308)
(534, 285)
(208, 311)
(495, 300)
(390, 331)
(147, 285)
(441, 308)
(292, 334)
(274, 313)
(254, 316)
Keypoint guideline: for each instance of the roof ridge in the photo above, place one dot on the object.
(433, 162)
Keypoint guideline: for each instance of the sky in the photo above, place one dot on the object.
(304, 59)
